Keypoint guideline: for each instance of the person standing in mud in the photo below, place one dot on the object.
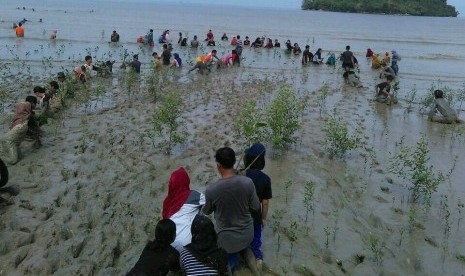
(254, 161)
(135, 64)
(448, 114)
(89, 66)
(166, 55)
(233, 199)
(22, 125)
(347, 59)
(19, 30)
(114, 37)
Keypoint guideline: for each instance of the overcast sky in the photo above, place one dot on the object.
(291, 4)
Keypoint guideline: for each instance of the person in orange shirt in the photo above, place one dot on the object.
(204, 62)
(20, 30)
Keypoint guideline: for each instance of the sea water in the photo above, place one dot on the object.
(431, 48)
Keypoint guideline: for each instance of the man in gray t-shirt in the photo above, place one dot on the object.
(232, 198)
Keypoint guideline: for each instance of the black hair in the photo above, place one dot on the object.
(38, 89)
(165, 46)
(31, 99)
(54, 84)
(20, 24)
(438, 94)
(347, 47)
(214, 51)
(238, 37)
(151, 30)
(259, 164)
(226, 157)
(195, 37)
(154, 54)
(307, 46)
(165, 234)
(87, 58)
(389, 77)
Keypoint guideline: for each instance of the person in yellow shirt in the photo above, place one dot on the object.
(19, 30)
(375, 62)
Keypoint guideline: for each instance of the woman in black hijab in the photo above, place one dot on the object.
(202, 255)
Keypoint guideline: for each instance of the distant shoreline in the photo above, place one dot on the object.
(378, 13)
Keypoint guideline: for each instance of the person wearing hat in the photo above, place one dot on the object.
(114, 37)
(255, 162)
(448, 114)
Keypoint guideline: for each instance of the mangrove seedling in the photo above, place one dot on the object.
(284, 117)
(287, 185)
(377, 249)
(412, 164)
(327, 231)
(249, 125)
(308, 198)
(167, 123)
(338, 139)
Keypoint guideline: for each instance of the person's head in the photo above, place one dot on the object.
(180, 34)
(135, 57)
(255, 156)
(347, 47)
(234, 52)
(209, 31)
(246, 37)
(319, 50)
(155, 54)
(438, 94)
(238, 37)
(88, 60)
(176, 55)
(195, 37)
(20, 24)
(32, 100)
(39, 91)
(214, 53)
(225, 157)
(307, 46)
(53, 86)
(151, 30)
(165, 46)
(165, 233)
(61, 76)
(203, 233)
(389, 78)
(386, 54)
(114, 32)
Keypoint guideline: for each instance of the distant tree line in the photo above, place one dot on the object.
(411, 7)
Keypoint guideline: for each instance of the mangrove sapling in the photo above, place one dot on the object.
(338, 140)
(377, 249)
(308, 198)
(411, 96)
(287, 185)
(276, 226)
(460, 208)
(321, 98)
(412, 164)
(412, 218)
(327, 231)
(249, 125)
(291, 234)
(401, 234)
(445, 215)
(153, 83)
(3, 97)
(284, 117)
(167, 123)
(130, 80)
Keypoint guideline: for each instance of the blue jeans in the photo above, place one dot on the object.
(256, 244)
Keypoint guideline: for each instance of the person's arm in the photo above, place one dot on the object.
(376, 90)
(265, 204)
(208, 208)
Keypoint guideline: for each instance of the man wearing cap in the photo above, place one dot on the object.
(233, 199)
(114, 37)
(254, 161)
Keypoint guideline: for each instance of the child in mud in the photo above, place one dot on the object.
(307, 56)
(255, 162)
(22, 126)
(89, 67)
(228, 59)
(158, 256)
(383, 92)
(448, 114)
(203, 63)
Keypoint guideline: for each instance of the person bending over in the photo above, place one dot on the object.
(448, 114)
(383, 91)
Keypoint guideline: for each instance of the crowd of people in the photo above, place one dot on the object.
(186, 238)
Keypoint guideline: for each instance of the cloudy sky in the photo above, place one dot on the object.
(291, 4)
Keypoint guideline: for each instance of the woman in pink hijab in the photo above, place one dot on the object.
(181, 205)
